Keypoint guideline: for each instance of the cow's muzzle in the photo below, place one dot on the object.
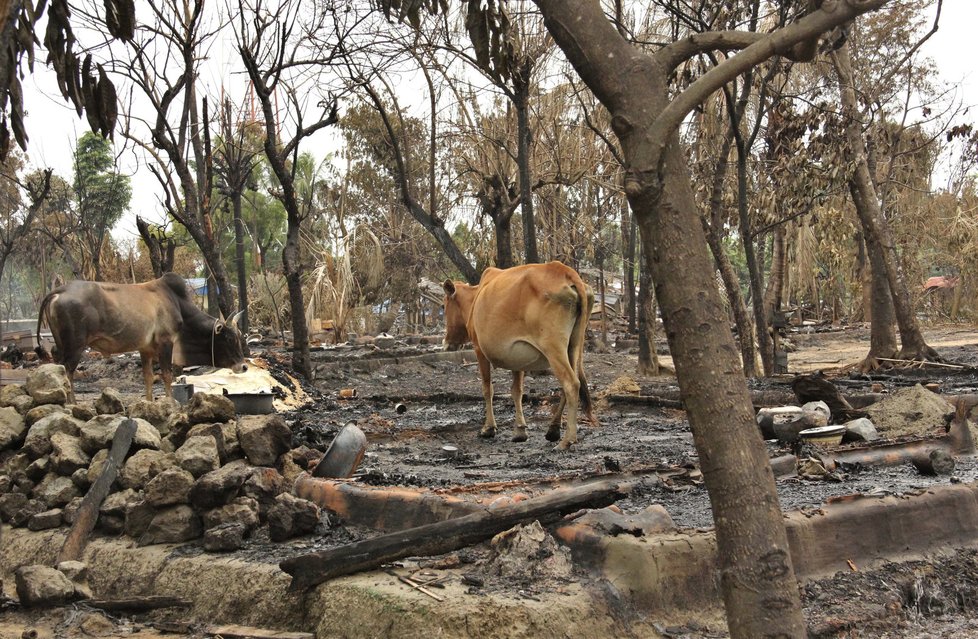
(239, 368)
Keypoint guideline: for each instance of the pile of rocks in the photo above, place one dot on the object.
(192, 471)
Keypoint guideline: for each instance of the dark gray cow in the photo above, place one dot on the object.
(156, 318)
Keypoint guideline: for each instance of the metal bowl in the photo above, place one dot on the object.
(251, 403)
(344, 453)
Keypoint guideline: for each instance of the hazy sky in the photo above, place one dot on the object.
(53, 127)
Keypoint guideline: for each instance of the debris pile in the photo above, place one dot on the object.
(191, 471)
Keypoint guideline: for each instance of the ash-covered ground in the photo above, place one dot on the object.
(412, 401)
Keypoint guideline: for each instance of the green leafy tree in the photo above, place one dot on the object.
(102, 195)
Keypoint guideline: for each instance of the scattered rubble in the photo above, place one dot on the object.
(190, 469)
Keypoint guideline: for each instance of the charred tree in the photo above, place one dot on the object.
(875, 227)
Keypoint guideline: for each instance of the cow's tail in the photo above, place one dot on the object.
(39, 349)
(575, 348)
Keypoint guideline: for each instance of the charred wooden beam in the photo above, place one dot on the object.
(77, 537)
(446, 536)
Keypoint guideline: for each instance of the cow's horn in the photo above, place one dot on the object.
(235, 319)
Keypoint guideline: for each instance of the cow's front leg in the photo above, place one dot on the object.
(166, 368)
(147, 362)
(519, 433)
(485, 370)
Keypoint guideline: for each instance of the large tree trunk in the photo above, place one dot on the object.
(239, 258)
(522, 101)
(753, 263)
(757, 578)
(712, 226)
(629, 232)
(874, 224)
(292, 265)
(648, 359)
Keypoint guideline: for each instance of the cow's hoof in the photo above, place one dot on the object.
(519, 435)
(553, 434)
(487, 434)
(564, 445)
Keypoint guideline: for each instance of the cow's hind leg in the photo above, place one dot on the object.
(553, 431)
(571, 386)
(519, 433)
(147, 362)
(485, 370)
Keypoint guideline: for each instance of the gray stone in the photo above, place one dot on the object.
(40, 412)
(80, 479)
(10, 503)
(31, 508)
(97, 465)
(83, 412)
(208, 408)
(211, 430)
(39, 468)
(13, 428)
(243, 510)
(70, 512)
(38, 440)
(97, 433)
(67, 455)
(139, 515)
(199, 455)
(74, 570)
(170, 487)
(860, 430)
(224, 538)
(6, 484)
(42, 586)
(109, 403)
(22, 404)
(11, 392)
(263, 438)
(48, 384)
(264, 485)
(56, 490)
(172, 526)
(143, 466)
(220, 486)
(45, 520)
(291, 516)
(115, 504)
(157, 412)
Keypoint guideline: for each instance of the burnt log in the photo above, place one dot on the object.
(137, 604)
(935, 462)
(446, 536)
(87, 515)
(816, 387)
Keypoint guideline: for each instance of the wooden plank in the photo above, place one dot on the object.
(246, 632)
(451, 534)
(77, 537)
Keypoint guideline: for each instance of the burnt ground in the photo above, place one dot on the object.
(411, 404)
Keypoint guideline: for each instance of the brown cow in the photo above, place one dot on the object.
(525, 318)
(156, 318)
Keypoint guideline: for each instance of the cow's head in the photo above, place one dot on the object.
(229, 345)
(458, 303)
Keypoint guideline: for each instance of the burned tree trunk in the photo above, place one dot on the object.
(874, 224)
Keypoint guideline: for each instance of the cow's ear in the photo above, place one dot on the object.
(218, 328)
(449, 287)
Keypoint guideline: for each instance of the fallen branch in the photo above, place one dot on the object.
(415, 585)
(137, 604)
(446, 536)
(920, 363)
(77, 537)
